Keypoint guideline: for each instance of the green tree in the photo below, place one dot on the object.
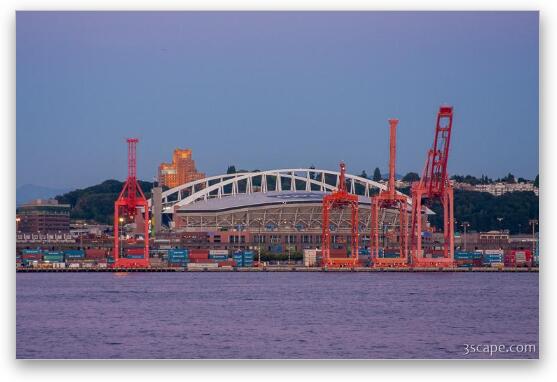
(482, 209)
(376, 174)
(231, 170)
(411, 177)
(363, 174)
(537, 181)
(508, 179)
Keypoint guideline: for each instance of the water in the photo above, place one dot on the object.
(274, 315)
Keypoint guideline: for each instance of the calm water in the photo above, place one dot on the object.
(274, 315)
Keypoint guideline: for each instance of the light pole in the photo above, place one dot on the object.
(259, 243)
(465, 225)
(120, 227)
(500, 230)
(533, 223)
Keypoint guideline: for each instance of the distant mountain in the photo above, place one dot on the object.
(28, 192)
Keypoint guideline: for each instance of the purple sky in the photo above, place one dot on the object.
(272, 90)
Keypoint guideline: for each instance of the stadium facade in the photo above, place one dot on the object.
(274, 210)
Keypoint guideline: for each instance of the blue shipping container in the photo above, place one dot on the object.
(466, 256)
(31, 251)
(74, 254)
(218, 257)
(175, 260)
(181, 251)
(134, 256)
(178, 256)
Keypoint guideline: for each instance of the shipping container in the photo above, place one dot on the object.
(199, 255)
(227, 263)
(95, 253)
(217, 256)
(133, 256)
(32, 251)
(202, 265)
(493, 252)
(202, 252)
(53, 258)
(73, 254)
(218, 252)
(32, 256)
(464, 255)
(201, 261)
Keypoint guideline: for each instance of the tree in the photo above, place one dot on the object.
(376, 174)
(508, 179)
(231, 170)
(411, 177)
(312, 174)
(363, 174)
(537, 181)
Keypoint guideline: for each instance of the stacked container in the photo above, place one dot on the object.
(95, 254)
(134, 253)
(178, 257)
(31, 257)
(53, 257)
(464, 259)
(238, 258)
(247, 259)
(73, 255)
(218, 254)
(493, 258)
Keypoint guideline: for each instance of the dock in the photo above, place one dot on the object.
(275, 269)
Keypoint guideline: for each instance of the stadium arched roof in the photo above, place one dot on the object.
(263, 182)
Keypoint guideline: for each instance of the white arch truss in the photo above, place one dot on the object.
(300, 179)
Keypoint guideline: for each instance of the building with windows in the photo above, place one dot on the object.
(182, 169)
(277, 211)
(43, 216)
(498, 189)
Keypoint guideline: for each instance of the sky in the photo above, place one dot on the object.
(272, 90)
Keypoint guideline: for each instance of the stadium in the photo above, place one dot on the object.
(274, 210)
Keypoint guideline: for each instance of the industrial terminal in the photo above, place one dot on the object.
(295, 219)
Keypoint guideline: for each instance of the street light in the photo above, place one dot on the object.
(17, 220)
(260, 221)
(500, 231)
(533, 223)
(120, 227)
(465, 225)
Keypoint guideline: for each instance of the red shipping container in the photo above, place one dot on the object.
(199, 256)
(32, 256)
(201, 260)
(199, 251)
(95, 254)
(338, 253)
(227, 263)
(175, 265)
(134, 251)
(509, 260)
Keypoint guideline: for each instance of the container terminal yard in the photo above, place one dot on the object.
(340, 222)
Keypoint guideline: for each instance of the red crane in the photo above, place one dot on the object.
(126, 207)
(338, 200)
(389, 199)
(435, 185)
